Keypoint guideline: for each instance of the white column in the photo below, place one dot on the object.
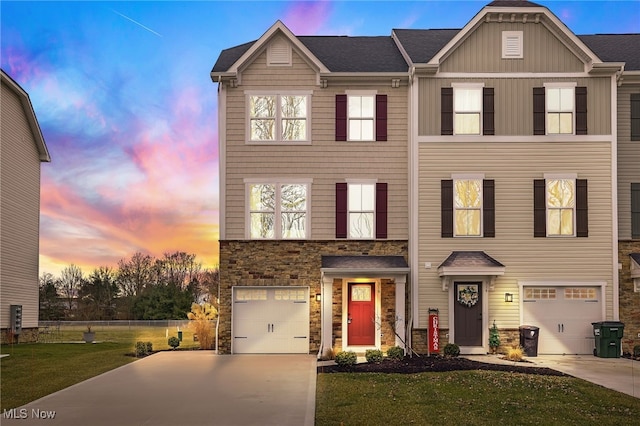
(400, 310)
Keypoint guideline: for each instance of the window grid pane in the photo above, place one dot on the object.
(278, 215)
(560, 206)
(467, 202)
(560, 110)
(467, 111)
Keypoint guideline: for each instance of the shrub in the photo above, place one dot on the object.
(396, 353)
(373, 355)
(144, 348)
(636, 350)
(451, 350)
(346, 359)
(515, 353)
(202, 317)
(494, 337)
(173, 342)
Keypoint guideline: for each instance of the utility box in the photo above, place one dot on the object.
(608, 337)
(16, 319)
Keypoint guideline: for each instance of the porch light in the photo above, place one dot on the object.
(508, 297)
(318, 297)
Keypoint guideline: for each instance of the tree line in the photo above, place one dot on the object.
(141, 287)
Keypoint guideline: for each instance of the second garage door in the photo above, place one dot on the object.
(564, 315)
(270, 320)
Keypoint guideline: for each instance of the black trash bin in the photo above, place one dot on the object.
(529, 339)
(608, 338)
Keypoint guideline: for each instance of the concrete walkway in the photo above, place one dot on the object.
(620, 374)
(186, 388)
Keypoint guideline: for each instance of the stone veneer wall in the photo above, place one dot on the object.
(287, 263)
(28, 335)
(629, 300)
(509, 337)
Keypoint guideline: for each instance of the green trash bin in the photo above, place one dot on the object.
(608, 338)
(180, 335)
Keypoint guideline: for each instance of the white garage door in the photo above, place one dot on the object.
(270, 320)
(564, 315)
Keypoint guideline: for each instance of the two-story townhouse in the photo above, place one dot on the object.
(513, 143)
(313, 194)
(23, 151)
(497, 182)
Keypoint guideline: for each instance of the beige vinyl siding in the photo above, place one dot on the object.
(482, 51)
(514, 167)
(628, 160)
(19, 213)
(513, 103)
(325, 161)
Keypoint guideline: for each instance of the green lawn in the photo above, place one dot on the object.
(469, 398)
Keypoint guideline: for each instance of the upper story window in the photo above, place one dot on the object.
(560, 109)
(361, 116)
(278, 210)
(361, 210)
(560, 207)
(279, 117)
(468, 207)
(467, 109)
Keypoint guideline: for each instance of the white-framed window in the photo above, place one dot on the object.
(467, 206)
(278, 118)
(361, 204)
(560, 108)
(561, 205)
(467, 109)
(361, 108)
(512, 45)
(278, 210)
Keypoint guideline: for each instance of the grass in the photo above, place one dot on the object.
(32, 371)
(469, 398)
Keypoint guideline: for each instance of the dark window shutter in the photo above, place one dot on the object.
(488, 208)
(446, 207)
(581, 110)
(381, 117)
(341, 117)
(582, 209)
(381, 210)
(539, 208)
(446, 111)
(488, 116)
(635, 116)
(538, 111)
(341, 210)
(635, 210)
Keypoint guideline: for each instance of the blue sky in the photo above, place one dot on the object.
(128, 111)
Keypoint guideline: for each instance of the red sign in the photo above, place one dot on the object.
(434, 334)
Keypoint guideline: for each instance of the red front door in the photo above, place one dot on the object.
(361, 315)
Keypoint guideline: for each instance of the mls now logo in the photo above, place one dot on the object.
(23, 413)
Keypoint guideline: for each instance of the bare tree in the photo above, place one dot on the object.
(179, 268)
(135, 274)
(68, 285)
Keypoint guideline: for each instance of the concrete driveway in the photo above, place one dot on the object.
(186, 388)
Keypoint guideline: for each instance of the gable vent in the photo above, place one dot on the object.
(279, 52)
(511, 44)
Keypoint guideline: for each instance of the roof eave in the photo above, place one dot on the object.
(43, 151)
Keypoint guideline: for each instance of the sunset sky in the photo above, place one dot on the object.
(129, 113)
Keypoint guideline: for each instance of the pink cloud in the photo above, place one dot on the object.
(307, 17)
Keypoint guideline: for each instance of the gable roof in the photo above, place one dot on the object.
(616, 48)
(29, 113)
(336, 53)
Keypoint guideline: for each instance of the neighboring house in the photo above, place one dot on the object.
(23, 149)
(471, 171)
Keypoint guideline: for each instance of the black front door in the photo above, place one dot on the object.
(467, 313)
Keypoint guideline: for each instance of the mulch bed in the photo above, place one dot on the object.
(421, 364)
